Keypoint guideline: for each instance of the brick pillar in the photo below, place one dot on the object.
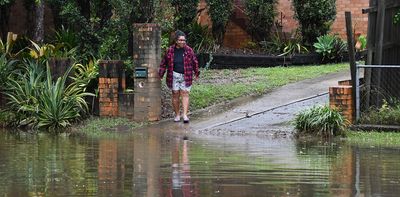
(110, 84)
(147, 53)
(340, 97)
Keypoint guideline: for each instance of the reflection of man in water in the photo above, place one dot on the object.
(181, 185)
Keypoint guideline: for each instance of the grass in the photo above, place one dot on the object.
(374, 139)
(107, 127)
(387, 114)
(216, 86)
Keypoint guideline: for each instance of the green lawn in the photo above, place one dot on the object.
(374, 139)
(216, 86)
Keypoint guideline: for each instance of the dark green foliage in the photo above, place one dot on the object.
(331, 47)
(103, 28)
(41, 103)
(219, 11)
(185, 13)
(320, 121)
(6, 67)
(315, 18)
(200, 39)
(261, 14)
(396, 18)
(388, 114)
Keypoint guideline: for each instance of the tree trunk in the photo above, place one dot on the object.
(4, 15)
(39, 22)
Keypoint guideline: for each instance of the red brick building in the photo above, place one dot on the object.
(236, 34)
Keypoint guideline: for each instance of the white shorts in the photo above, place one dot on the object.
(178, 82)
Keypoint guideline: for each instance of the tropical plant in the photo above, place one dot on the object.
(219, 11)
(315, 18)
(8, 47)
(84, 74)
(58, 105)
(261, 14)
(41, 52)
(41, 103)
(22, 91)
(331, 47)
(320, 121)
(275, 45)
(362, 39)
(6, 67)
(293, 46)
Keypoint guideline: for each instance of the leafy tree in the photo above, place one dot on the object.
(219, 11)
(104, 27)
(261, 14)
(185, 13)
(315, 18)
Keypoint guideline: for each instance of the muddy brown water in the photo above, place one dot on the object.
(161, 163)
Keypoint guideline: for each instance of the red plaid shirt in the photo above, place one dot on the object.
(190, 64)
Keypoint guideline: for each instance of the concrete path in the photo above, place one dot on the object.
(267, 114)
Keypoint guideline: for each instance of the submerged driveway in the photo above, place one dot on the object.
(269, 114)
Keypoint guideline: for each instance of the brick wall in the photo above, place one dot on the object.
(340, 97)
(289, 24)
(235, 36)
(110, 84)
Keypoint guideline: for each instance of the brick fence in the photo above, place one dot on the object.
(340, 97)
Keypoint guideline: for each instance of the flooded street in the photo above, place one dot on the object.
(247, 150)
(161, 163)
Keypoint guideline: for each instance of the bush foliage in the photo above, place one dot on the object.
(315, 18)
(320, 121)
(219, 11)
(261, 14)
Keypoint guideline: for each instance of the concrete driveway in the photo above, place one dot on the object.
(269, 114)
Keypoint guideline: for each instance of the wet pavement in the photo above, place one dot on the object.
(270, 114)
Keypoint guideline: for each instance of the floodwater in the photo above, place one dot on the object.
(156, 163)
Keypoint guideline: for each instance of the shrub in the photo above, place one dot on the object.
(331, 47)
(6, 67)
(41, 103)
(261, 14)
(220, 11)
(321, 121)
(387, 114)
(315, 18)
(185, 12)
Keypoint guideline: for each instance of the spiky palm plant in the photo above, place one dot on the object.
(42, 103)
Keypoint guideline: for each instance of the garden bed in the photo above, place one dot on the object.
(223, 61)
(245, 58)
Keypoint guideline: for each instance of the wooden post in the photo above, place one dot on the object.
(379, 31)
(352, 59)
(370, 52)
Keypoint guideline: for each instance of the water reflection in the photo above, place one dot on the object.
(156, 163)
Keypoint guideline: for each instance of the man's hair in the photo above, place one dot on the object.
(179, 33)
